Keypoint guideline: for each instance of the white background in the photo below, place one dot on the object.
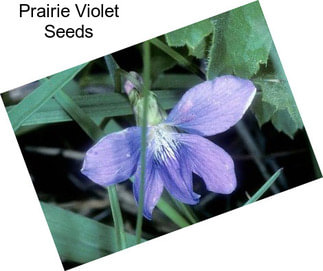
(283, 232)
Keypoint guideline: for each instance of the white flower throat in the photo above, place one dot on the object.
(162, 141)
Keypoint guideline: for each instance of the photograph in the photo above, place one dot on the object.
(161, 135)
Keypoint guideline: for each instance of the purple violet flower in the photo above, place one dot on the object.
(206, 109)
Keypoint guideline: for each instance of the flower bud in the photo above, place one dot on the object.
(133, 86)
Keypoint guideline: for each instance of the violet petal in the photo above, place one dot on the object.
(210, 162)
(114, 158)
(177, 178)
(213, 106)
(153, 187)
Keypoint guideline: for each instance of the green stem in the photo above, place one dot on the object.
(146, 76)
(89, 126)
(182, 61)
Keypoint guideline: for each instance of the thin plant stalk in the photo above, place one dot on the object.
(265, 187)
(146, 77)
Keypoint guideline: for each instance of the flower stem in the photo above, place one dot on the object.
(146, 76)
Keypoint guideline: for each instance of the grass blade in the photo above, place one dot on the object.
(187, 211)
(78, 115)
(182, 61)
(171, 213)
(78, 238)
(117, 217)
(40, 96)
(96, 106)
(95, 133)
(114, 71)
(264, 188)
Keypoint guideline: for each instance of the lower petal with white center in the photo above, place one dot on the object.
(153, 186)
(177, 177)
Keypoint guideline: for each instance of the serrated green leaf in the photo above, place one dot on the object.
(263, 111)
(283, 122)
(78, 238)
(200, 50)
(285, 116)
(191, 35)
(278, 104)
(241, 42)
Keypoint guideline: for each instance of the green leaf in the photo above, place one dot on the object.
(96, 106)
(192, 35)
(277, 103)
(278, 106)
(263, 111)
(283, 122)
(35, 100)
(78, 238)
(265, 187)
(200, 51)
(241, 42)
